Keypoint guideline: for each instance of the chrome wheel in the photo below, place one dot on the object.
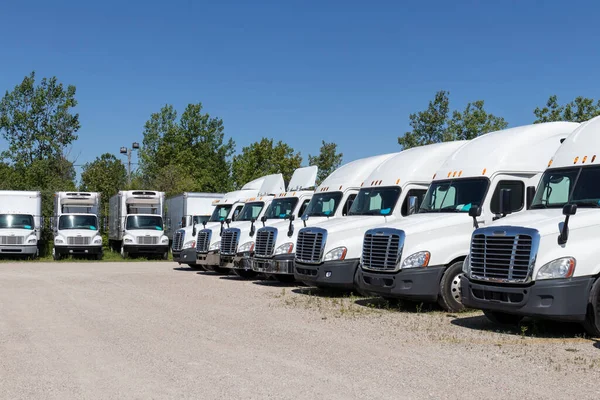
(455, 288)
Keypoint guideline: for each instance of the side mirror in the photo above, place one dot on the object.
(568, 210)
(505, 197)
(474, 212)
(228, 221)
(194, 229)
(304, 218)
(252, 228)
(413, 205)
(263, 219)
(530, 193)
(204, 224)
(291, 227)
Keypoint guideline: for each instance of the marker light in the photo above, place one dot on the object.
(584, 159)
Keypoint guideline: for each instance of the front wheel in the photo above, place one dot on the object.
(450, 297)
(124, 253)
(502, 318)
(55, 255)
(98, 256)
(592, 318)
(165, 255)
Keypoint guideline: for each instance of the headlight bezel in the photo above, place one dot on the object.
(542, 274)
(189, 244)
(339, 251)
(216, 246)
(281, 249)
(97, 240)
(247, 247)
(420, 259)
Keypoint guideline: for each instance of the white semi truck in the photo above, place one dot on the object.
(20, 223)
(327, 255)
(209, 239)
(544, 262)
(420, 258)
(76, 225)
(136, 223)
(226, 208)
(238, 242)
(188, 209)
(274, 251)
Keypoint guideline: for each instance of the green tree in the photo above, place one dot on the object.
(37, 120)
(435, 124)
(107, 175)
(328, 160)
(579, 110)
(185, 154)
(263, 158)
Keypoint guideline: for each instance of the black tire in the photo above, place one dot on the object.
(592, 318)
(165, 255)
(449, 297)
(246, 274)
(55, 255)
(99, 256)
(221, 270)
(124, 253)
(356, 286)
(502, 318)
(284, 278)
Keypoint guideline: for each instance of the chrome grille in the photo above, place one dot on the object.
(382, 249)
(178, 240)
(147, 240)
(12, 240)
(203, 241)
(265, 242)
(499, 256)
(78, 240)
(310, 244)
(229, 241)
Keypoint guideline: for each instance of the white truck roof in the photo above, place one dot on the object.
(201, 195)
(417, 164)
(303, 178)
(20, 202)
(78, 198)
(352, 174)
(521, 149)
(582, 147)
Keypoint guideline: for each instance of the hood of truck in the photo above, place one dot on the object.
(549, 221)
(14, 232)
(78, 232)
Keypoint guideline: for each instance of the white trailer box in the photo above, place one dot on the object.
(136, 223)
(420, 258)
(187, 209)
(20, 222)
(76, 224)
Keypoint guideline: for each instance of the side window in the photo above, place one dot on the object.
(517, 196)
(303, 208)
(419, 193)
(236, 212)
(348, 204)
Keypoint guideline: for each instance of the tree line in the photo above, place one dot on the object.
(189, 151)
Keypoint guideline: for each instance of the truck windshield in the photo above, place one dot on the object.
(456, 195)
(375, 201)
(78, 222)
(281, 208)
(220, 213)
(250, 210)
(200, 219)
(144, 222)
(324, 204)
(568, 185)
(20, 221)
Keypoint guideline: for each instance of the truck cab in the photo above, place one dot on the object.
(274, 250)
(327, 255)
(238, 243)
(20, 223)
(544, 262)
(76, 225)
(420, 258)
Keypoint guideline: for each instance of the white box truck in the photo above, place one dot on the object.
(237, 242)
(209, 239)
(20, 223)
(76, 225)
(543, 263)
(327, 254)
(136, 226)
(274, 250)
(226, 208)
(187, 209)
(420, 258)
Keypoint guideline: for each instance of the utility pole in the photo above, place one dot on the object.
(129, 151)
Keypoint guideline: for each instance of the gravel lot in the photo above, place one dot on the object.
(152, 330)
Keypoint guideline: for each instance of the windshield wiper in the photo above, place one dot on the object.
(587, 203)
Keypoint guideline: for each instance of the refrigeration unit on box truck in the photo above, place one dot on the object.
(76, 225)
(136, 223)
(188, 209)
(543, 263)
(420, 258)
(20, 223)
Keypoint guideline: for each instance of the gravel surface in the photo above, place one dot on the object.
(152, 330)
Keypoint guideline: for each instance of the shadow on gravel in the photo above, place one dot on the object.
(275, 283)
(326, 293)
(597, 344)
(186, 269)
(404, 306)
(527, 327)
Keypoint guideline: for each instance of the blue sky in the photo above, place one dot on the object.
(299, 71)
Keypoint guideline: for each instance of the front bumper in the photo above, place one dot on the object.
(185, 256)
(211, 258)
(21, 249)
(334, 274)
(146, 249)
(421, 284)
(279, 265)
(560, 299)
(78, 250)
(241, 261)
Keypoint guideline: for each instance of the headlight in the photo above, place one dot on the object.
(215, 246)
(128, 240)
(466, 268)
(58, 240)
(98, 240)
(420, 259)
(285, 248)
(164, 239)
(187, 245)
(339, 253)
(32, 240)
(246, 247)
(559, 268)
